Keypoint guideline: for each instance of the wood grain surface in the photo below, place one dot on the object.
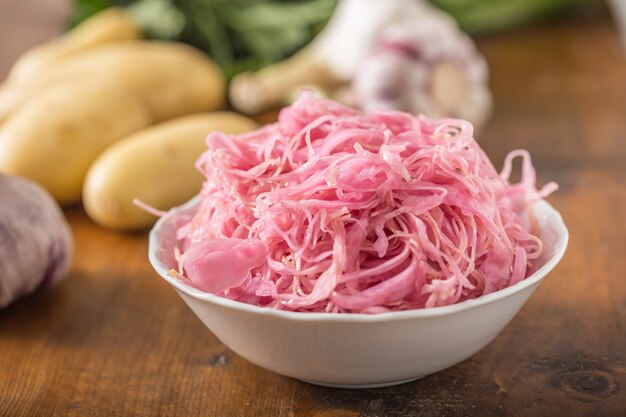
(114, 340)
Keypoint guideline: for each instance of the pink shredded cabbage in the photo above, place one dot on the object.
(330, 210)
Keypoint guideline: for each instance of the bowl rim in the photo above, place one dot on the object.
(533, 279)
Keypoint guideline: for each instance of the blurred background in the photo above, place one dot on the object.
(548, 76)
(244, 34)
(412, 55)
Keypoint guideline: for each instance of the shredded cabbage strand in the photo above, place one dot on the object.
(331, 210)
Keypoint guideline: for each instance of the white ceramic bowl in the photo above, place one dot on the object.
(357, 350)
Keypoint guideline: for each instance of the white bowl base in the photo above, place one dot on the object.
(364, 386)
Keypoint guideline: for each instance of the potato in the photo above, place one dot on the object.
(155, 165)
(54, 138)
(35, 240)
(110, 25)
(172, 79)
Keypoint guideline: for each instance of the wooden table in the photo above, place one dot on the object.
(113, 339)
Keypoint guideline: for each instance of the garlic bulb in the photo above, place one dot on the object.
(35, 240)
(427, 66)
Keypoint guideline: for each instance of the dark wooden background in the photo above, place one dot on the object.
(115, 340)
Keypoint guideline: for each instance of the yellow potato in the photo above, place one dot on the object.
(172, 79)
(155, 165)
(54, 138)
(109, 25)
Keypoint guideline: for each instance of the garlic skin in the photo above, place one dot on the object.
(356, 26)
(36, 242)
(428, 66)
